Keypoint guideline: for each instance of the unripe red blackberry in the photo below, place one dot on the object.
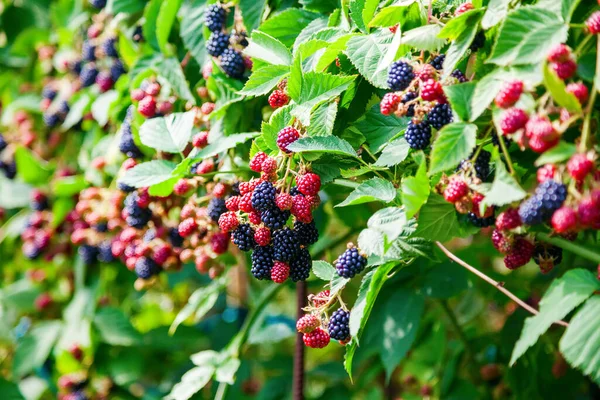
(200, 139)
(389, 103)
(564, 220)
(501, 242)
(308, 184)
(539, 145)
(76, 351)
(593, 23)
(308, 323)
(104, 81)
(219, 190)
(147, 107)
(546, 172)
(431, 90)
(207, 108)
(182, 187)
(228, 221)
(509, 94)
(579, 90)
(245, 203)
(283, 201)
(559, 53)
(187, 227)
(426, 72)
(321, 298)
(316, 339)
(508, 219)
(540, 127)
(287, 136)
(233, 203)
(463, 8)
(269, 165)
(280, 272)
(43, 301)
(588, 213)
(565, 69)
(579, 166)
(219, 242)
(161, 253)
(521, 254)
(456, 190)
(278, 99)
(262, 236)
(512, 120)
(301, 209)
(152, 89)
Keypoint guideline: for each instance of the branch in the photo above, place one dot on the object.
(496, 284)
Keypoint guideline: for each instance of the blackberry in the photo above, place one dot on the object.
(116, 70)
(478, 41)
(88, 75)
(88, 254)
(76, 67)
(232, 63)
(63, 107)
(49, 93)
(217, 43)
(548, 197)
(127, 144)
(51, 119)
(146, 267)
(124, 187)
(274, 218)
(149, 235)
(243, 237)
(400, 75)
(294, 191)
(547, 256)
(101, 227)
(405, 99)
(418, 135)
(262, 262)
(482, 165)
(108, 47)
(175, 238)
(98, 3)
(496, 141)
(307, 233)
(137, 217)
(9, 168)
(285, 244)
(263, 196)
(3, 143)
(300, 266)
(350, 263)
(40, 204)
(88, 51)
(438, 62)
(339, 325)
(458, 74)
(235, 189)
(440, 116)
(31, 251)
(240, 38)
(214, 19)
(215, 208)
(481, 222)
(105, 252)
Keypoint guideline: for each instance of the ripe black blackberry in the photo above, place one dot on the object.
(51, 119)
(127, 144)
(88, 254)
(105, 252)
(481, 222)
(31, 251)
(274, 218)
(418, 135)
(307, 233)
(438, 62)
(88, 74)
(400, 75)
(116, 70)
(548, 197)
(262, 262)
(339, 325)
(175, 238)
(217, 43)
(9, 168)
(124, 187)
(243, 237)
(496, 141)
(215, 208)
(285, 244)
(3, 143)
(108, 47)
(137, 217)
(49, 93)
(482, 165)
(300, 266)
(214, 19)
(40, 204)
(239, 37)
(405, 99)
(232, 63)
(478, 41)
(263, 196)
(458, 74)
(146, 267)
(350, 263)
(88, 51)
(98, 3)
(440, 115)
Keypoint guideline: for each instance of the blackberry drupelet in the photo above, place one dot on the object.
(214, 19)
(137, 217)
(88, 254)
(438, 62)
(274, 218)
(496, 141)
(217, 43)
(307, 233)
(105, 252)
(285, 244)
(405, 99)
(440, 115)
(350, 263)
(263, 197)
(243, 237)
(300, 266)
(262, 262)
(232, 63)
(482, 165)
(339, 325)
(400, 75)
(418, 135)
(548, 197)
(215, 208)
(146, 267)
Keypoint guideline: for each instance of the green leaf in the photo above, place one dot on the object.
(580, 345)
(268, 49)
(60, 209)
(485, 91)
(27, 102)
(115, 7)
(287, 25)
(30, 167)
(375, 189)
(405, 15)
(362, 11)
(459, 46)
(76, 111)
(101, 106)
(149, 27)
(323, 144)
(164, 22)
(69, 185)
(453, 144)
(403, 313)
(309, 32)
(559, 153)
(170, 69)
(279, 120)
(437, 220)
(323, 119)
(445, 280)
(496, 12)
(372, 241)
(222, 144)
(415, 190)
(394, 153)
(323, 270)
(391, 221)
(114, 327)
(458, 25)
(190, 29)
(252, 12)
(191, 383)
(557, 89)
(264, 79)
(10, 391)
(505, 189)
(424, 38)
(565, 293)
(148, 173)
(34, 348)
(526, 36)
(366, 52)
(199, 303)
(378, 129)
(20, 294)
(460, 97)
(337, 284)
(564, 8)
(13, 194)
(170, 134)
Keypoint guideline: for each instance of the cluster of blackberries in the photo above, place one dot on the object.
(481, 165)
(317, 329)
(223, 45)
(127, 144)
(456, 190)
(55, 110)
(150, 101)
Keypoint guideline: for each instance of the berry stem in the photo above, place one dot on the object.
(298, 381)
(582, 45)
(585, 133)
(345, 183)
(570, 246)
(506, 155)
(496, 284)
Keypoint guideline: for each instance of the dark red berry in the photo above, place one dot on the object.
(262, 236)
(147, 107)
(432, 90)
(508, 219)
(187, 227)
(219, 242)
(456, 190)
(287, 136)
(559, 53)
(546, 172)
(257, 160)
(593, 23)
(308, 323)
(280, 272)
(564, 220)
(579, 166)
(182, 187)
(501, 242)
(284, 201)
(520, 255)
(565, 69)
(200, 139)
(308, 184)
(512, 120)
(509, 94)
(316, 339)
(278, 99)
(389, 103)
(228, 221)
(579, 90)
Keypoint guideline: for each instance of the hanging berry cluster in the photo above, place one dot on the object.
(151, 100)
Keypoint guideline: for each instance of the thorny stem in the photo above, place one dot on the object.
(585, 134)
(496, 284)
(506, 155)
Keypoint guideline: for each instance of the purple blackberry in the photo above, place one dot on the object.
(124, 187)
(262, 262)
(88, 254)
(31, 251)
(88, 74)
(63, 107)
(108, 47)
(105, 252)
(48, 92)
(137, 216)
(116, 70)
(76, 67)
(51, 119)
(547, 256)
(400, 75)
(217, 43)
(9, 168)
(274, 218)
(243, 237)
(350, 263)
(263, 197)
(339, 325)
(232, 63)
(300, 266)
(307, 233)
(98, 3)
(175, 238)
(478, 41)
(214, 19)
(3, 143)
(481, 222)
(215, 208)
(128, 147)
(548, 197)
(40, 204)
(146, 267)
(438, 62)
(149, 235)
(418, 135)
(285, 244)
(88, 51)
(408, 97)
(457, 73)
(482, 164)
(440, 116)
